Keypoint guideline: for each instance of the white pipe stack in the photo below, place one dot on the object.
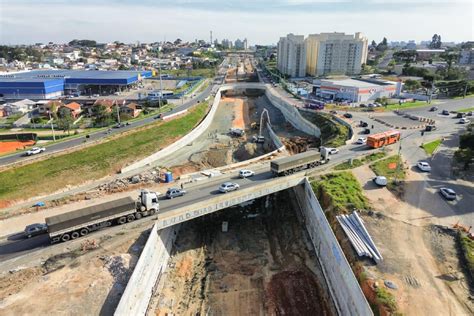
(359, 237)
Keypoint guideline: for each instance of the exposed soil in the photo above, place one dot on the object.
(419, 258)
(87, 281)
(264, 264)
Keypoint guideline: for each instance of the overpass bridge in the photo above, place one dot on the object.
(205, 199)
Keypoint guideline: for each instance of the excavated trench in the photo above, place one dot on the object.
(217, 147)
(253, 259)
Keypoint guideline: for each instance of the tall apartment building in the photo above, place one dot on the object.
(335, 53)
(291, 58)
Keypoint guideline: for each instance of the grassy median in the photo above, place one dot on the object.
(359, 162)
(96, 161)
(431, 146)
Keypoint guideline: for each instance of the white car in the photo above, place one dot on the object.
(361, 141)
(448, 194)
(228, 186)
(332, 151)
(464, 120)
(381, 181)
(246, 173)
(424, 166)
(35, 151)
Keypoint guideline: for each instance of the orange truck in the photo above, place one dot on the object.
(383, 139)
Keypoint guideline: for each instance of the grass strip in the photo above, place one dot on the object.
(94, 162)
(431, 146)
(359, 162)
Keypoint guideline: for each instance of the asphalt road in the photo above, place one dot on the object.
(68, 144)
(16, 245)
(427, 195)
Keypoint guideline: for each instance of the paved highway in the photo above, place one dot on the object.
(67, 144)
(16, 245)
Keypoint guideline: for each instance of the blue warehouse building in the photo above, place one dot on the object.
(50, 84)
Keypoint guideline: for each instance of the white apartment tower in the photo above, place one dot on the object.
(335, 53)
(292, 55)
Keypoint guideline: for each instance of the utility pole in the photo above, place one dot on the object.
(52, 126)
(465, 91)
(118, 115)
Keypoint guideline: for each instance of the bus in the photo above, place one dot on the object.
(383, 139)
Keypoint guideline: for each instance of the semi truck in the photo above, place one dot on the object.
(289, 165)
(81, 222)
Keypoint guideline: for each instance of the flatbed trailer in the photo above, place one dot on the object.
(289, 165)
(81, 222)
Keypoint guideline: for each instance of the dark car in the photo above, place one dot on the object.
(430, 128)
(363, 124)
(174, 192)
(366, 131)
(445, 112)
(347, 115)
(460, 115)
(433, 108)
(35, 229)
(333, 112)
(469, 113)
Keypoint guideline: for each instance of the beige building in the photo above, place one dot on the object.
(335, 53)
(291, 58)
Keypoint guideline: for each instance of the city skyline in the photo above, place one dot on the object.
(260, 21)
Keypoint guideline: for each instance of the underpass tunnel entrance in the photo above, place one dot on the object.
(252, 259)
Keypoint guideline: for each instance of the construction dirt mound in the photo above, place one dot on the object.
(299, 144)
(295, 292)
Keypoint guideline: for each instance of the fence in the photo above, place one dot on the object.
(345, 290)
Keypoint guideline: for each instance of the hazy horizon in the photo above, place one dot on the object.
(260, 21)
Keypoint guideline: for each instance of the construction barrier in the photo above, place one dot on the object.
(343, 286)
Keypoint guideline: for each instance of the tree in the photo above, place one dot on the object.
(412, 85)
(122, 67)
(435, 42)
(449, 58)
(373, 44)
(65, 120)
(383, 45)
(102, 117)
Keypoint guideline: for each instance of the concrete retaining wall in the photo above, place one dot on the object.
(174, 115)
(185, 140)
(337, 119)
(345, 290)
(151, 265)
(291, 113)
(276, 140)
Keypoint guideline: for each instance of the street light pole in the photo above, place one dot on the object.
(161, 82)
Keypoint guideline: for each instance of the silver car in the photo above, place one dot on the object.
(228, 186)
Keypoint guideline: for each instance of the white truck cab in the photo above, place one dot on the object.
(148, 200)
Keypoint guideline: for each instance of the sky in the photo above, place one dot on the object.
(260, 21)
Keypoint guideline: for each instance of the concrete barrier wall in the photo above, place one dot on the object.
(185, 140)
(276, 140)
(345, 290)
(337, 119)
(151, 265)
(169, 117)
(292, 114)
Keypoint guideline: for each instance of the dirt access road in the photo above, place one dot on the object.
(419, 258)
